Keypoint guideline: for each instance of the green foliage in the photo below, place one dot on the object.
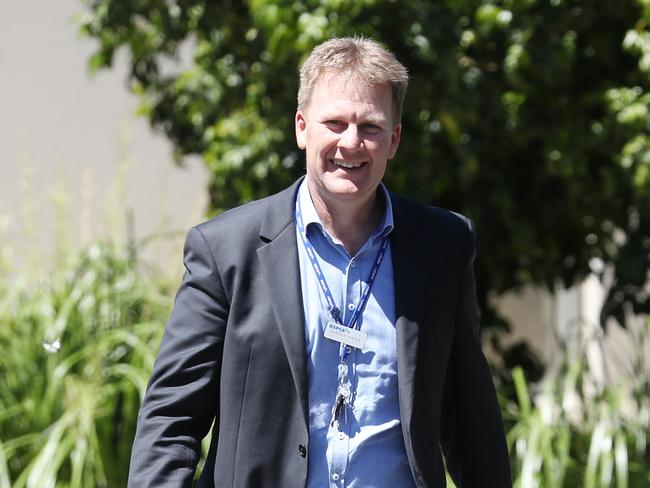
(76, 352)
(530, 116)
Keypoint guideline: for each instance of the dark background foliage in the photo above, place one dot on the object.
(529, 116)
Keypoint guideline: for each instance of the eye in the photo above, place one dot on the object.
(371, 128)
(335, 125)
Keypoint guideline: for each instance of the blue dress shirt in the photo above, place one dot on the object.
(365, 448)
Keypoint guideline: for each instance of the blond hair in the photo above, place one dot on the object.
(358, 58)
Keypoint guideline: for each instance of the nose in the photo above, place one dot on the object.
(350, 137)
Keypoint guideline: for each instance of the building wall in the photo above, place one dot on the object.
(72, 152)
(570, 319)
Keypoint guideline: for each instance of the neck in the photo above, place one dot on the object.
(350, 222)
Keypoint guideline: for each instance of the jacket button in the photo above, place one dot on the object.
(302, 450)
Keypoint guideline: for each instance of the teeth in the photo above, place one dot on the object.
(346, 164)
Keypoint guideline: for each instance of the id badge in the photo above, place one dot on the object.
(345, 335)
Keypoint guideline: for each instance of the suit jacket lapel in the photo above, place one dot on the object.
(407, 253)
(279, 260)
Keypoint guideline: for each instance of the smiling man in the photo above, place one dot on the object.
(329, 333)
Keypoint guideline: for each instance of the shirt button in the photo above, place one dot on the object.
(350, 306)
(341, 435)
(335, 476)
(353, 263)
(302, 450)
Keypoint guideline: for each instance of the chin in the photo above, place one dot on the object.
(343, 186)
(348, 192)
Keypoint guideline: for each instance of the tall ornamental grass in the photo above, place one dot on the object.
(76, 351)
(571, 432)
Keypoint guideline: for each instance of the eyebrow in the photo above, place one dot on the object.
(372, 119)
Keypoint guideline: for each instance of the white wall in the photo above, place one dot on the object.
(61, 128)
(572, 316)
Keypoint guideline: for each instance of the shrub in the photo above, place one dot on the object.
(76, 351)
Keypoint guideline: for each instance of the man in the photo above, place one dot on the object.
(329, 332)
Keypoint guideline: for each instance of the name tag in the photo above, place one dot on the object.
(345, 335)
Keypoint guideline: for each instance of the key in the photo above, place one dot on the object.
(338, 407)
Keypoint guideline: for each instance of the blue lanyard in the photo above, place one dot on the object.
(333, 309)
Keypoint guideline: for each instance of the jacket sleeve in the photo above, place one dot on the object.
(182, 397)
(473, 439)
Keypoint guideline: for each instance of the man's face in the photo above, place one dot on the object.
(349, 134)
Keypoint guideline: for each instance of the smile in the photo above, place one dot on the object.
(347, 164)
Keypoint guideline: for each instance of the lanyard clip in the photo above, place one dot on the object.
(336, 314)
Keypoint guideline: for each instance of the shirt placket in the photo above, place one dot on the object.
(346, 371)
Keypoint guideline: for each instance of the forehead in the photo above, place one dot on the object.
(345, 93)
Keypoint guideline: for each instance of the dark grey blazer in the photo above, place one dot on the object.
(234, 353)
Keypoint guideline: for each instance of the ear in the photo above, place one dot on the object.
(395, 136)
(301, 129)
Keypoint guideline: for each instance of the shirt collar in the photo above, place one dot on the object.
(310, 216)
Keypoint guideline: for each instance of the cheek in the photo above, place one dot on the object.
(376, 147)
(324, 143)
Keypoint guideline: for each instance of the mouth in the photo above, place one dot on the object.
(347, 164)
